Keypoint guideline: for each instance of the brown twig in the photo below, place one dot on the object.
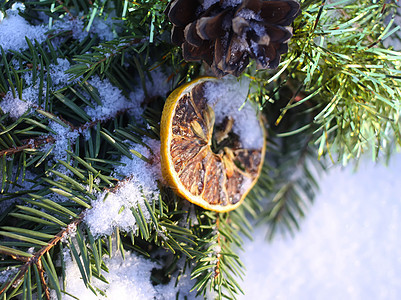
(36, 258)
(42, 278)
(65, 8)
(36, 142)
(217, 269)
(28, 144)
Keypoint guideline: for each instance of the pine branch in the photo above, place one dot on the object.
(350, 83)
(217, 265)
(65, 7)
(101, 60)
(34, 143)
(35, 259)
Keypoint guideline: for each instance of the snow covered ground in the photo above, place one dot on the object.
(349, 246)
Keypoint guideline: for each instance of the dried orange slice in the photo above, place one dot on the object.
(207, 154)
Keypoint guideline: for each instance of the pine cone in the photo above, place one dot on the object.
(227, 33)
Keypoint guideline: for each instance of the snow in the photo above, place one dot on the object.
(158, 85)
(231, 3)
(75, 25)
(249, 15)
(30, 180)
(64, 138)
(15, 28)
(207, 3)
(57, 72)
(227, 98)
(59, 78)
(128, 278)
(113, 209)
(224, 4)
(18, 6)
(14, 106)
(105, 27)
(7, 274)
(348, 246)
(114, 101)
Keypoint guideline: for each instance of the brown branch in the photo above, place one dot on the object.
(65, 8)
(35, 259)
(217, 269)
(42, 279)
(34, 143)
(28, 144)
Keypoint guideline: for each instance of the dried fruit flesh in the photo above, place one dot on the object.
(204, 163)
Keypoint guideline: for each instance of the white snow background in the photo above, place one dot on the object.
(349, 246)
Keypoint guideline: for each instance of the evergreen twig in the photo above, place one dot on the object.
(36, 257)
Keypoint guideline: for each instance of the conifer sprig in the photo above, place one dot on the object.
(339, 66)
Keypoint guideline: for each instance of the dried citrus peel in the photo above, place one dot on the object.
(204, 162)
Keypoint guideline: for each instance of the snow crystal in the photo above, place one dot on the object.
(15, 28)
(30, 180)
(14, 106)
(348, 246)
(75, 25)
(128, 278)
(246, 184)
(112, 99)
(207, 3)
(64, 137)
(18, 6)
(158, 85)
(145, 171)
(227, 98)
(31, 93)
(7, 273)
(248, 15)
(113, 209)
(231, 3)
(258, 28)
(105, 28)
(57, 72)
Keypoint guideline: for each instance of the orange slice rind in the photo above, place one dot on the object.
(208, 155)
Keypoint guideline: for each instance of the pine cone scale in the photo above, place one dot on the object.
(177, 35)
(192, 53)
(234, 32)
(280, 12)
(191, 35)
(210, 28)
(182, 12)
(278, 34)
